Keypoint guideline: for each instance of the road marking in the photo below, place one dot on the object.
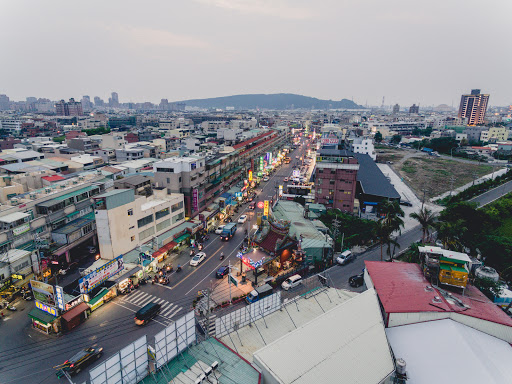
(165, 286)
(144, 302)
(137, 294)
(134, 300)
(156, 321)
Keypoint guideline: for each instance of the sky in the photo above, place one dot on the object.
(423, 52)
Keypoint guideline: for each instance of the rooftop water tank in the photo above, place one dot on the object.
(487, 272)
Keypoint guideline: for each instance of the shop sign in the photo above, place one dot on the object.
(98, 276)
(280, 190)
(21, 229)
(47, 308)
(250, 175)
(59, 297)
(43, 292)
(261, 204)
(4, 284)
(266, 208)
(74, 302)
(195, 199)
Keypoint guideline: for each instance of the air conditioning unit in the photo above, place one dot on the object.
(14, 201)
(33, 196)
(48, 190)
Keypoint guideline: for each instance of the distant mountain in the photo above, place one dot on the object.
(273, 101)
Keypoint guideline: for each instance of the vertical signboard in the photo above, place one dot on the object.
(59, 297)
(265, 208)
(250, 176)
(195, 199)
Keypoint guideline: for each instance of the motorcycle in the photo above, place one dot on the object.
(222, 256)
(163, 280)
(178, 269)
(11, 308)
(143, 281)
(191, 253)
(168, 268)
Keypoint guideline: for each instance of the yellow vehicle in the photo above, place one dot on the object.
(453, 272)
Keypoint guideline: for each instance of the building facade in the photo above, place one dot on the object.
(336, 179)
(69, 108)
(473, 107)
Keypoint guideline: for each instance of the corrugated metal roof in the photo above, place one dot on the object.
(73, 226)
(346, 344)
(13, 217)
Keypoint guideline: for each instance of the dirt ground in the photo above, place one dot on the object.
(436, 175)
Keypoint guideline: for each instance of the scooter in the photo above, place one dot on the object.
(221, 256)
(178, 269)
(11, 308)
(168, 268)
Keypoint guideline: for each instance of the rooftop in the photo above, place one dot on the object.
(459, 353)
(402, 289)
(372, 180)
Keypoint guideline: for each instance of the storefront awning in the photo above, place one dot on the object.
(41, 316)
(164, 249)
(182, 237)
(98, 297)
(75, 311)
(127, 274)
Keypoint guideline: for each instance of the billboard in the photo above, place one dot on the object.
(59, 295)
(43, 292)
(250, 174)
(195, 199)
(265, 208)
(98, 276)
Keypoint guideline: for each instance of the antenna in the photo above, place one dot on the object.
(383, 99)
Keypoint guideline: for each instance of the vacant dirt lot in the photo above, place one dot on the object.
(435, 174)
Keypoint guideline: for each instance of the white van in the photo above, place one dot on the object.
(345, 258)
(291, 282)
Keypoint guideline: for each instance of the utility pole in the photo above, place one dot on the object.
(452, 179)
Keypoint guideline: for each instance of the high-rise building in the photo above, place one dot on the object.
(4, 102)
(396, 108)
(113, 101)
(414, 109)
(70, 108)
(336, 179)
(473, 107)
(86, 103)
(98, 102)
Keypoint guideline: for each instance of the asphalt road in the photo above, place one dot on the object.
(27, 356)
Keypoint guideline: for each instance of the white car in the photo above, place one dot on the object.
(219, 229)
(197, 259)
(285, 179)
(242, 219)
(266, 178)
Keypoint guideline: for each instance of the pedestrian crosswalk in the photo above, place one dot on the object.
(141, 298)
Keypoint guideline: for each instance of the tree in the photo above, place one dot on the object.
(426, 218)
(378, 137)
(391, 221)
(489, 287)
(396, 139)
(449, 233)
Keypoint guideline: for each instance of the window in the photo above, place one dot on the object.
(320, 171)
(163, 224)
(178, 217)
(177, 206)
(331, 181)
(130, 212)
(145, 221)
(146, 233)
(162, 213)
(319, 191)
(168, 180)
(132, 238)
(179, 180)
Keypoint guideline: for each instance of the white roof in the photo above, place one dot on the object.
(346, 344)
(13, 217)
(15, 255)
(449, 352)
(456, 255)
(152, 203)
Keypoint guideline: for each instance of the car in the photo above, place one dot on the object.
(266, 178)
(356, 280)
(222, 271)
(252, 205)
(291, 282)
(219, 229)
(80, 360)
(146, 313)
(91, 249)
(197, 259)
(242, 219)
(406, 203)
(345, 258)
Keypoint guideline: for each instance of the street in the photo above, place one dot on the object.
(28, 356)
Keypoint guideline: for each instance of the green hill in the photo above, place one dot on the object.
(278, 101)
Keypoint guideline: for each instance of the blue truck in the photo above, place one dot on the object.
(228, 231)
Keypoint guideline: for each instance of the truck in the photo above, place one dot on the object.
(228, 231)
(259, 293)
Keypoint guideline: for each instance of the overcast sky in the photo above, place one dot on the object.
(427, 52)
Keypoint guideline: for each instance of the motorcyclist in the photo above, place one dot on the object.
(222, 255)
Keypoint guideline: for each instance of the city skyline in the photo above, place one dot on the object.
(327, 50)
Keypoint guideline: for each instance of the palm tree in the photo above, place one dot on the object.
(389, 223)
(426, 218)
(451, 234)
(382, 234)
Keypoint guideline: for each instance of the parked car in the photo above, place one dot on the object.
(345, 258)
(197, 259)
(266, 178)
(80, 360)
(356, 280)
(219, 229)
(222, 271)
(242, 219)
(406, 203)
(291, 282)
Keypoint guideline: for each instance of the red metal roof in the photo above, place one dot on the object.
(164, 249)
(401, 289)
(247, 142)
(53, 178)
(75, 311)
